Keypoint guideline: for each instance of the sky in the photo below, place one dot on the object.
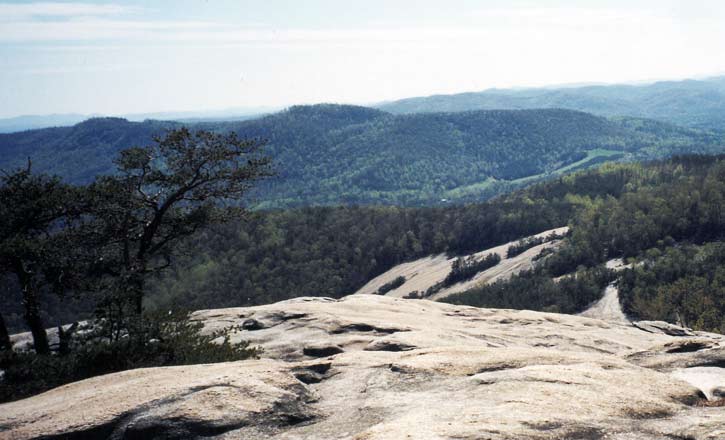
(123, 57)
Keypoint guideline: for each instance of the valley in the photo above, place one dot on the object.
(355, 321)
(337, 154)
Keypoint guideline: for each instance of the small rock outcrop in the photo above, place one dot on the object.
(375, 367)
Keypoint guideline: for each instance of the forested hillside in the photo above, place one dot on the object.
(669, 222)
(663, 214)
(691, 103)
(669, 215)
(77, 153)
(330, 154)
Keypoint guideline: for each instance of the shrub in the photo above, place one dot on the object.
(387, 287)
(525, 244)
(158, 340)
(464, 269)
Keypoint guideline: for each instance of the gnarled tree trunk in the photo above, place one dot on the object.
(32, 310)
(35, 322)
(4, 336)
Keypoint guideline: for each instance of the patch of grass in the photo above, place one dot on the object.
(471, 189)
(591, 156)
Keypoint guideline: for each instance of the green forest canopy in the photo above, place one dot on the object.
(617, 210)
(333, 154)
(669, 222)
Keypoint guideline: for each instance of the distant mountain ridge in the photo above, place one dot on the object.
(692, 103)
(332, 154)
(34, 122)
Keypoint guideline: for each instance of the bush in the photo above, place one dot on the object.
(464, 269)
(525, 244)
(387, 287)
(158, 340)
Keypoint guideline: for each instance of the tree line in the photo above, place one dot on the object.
(270, 256)
(333, 251)
(669, 221)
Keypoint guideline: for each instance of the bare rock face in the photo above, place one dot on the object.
(424, 273)
(375, 367)
(172, 403)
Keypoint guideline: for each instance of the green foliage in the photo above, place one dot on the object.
(331, 154)
(276, 255)
(464, 269)
(159, 339)
(663, 206)
(78, 153)
(680, 200)
(162, 193)
(324, 251)
(335, 251)
(113, 235)
(536, 290)
(525, 244)
(387, 287)
(37, 213)
(684, 284)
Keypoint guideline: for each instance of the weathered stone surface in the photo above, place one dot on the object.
(663, 327)
(424, 273)
(174, 402)
(662, 357)
(407, 369)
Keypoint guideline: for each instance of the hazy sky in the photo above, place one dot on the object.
(123, 57)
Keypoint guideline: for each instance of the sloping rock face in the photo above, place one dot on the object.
(376, 367)
(424, 273)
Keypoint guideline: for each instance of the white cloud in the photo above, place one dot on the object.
(88, 22)
(83, 68)
(91, 29)
(143, 59)
(15, 11)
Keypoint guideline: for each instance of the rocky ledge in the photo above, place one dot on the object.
(373, 367)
